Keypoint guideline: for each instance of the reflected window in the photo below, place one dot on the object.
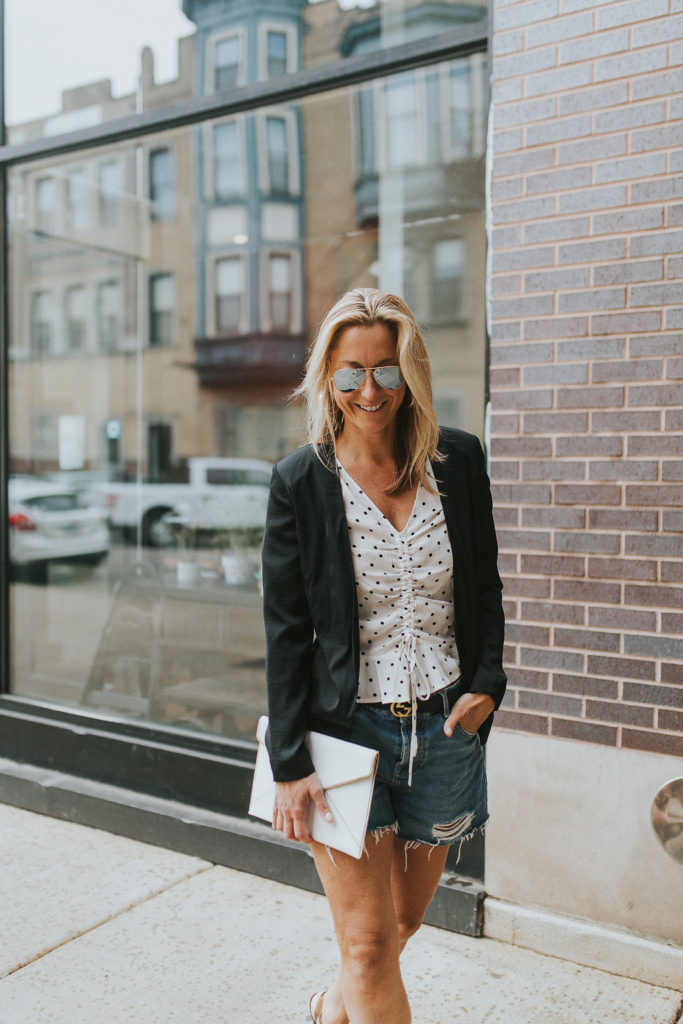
(162, 184)
(77, 200)
(75, 318)
(42, 323)
(44, 435)
(46, 205)
(159, 451)
(461, 111)
(448, 280)
(229, 294)
(162, 304)
(278, 155)
(280, 292)
(228, 176)
(110, 189)
(276, 54)
(402, 121)
(227, 63)
(368, 132)
(109, 315)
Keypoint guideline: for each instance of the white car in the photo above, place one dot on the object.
(49, 522)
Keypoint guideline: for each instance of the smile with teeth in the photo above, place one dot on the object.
(370, 408)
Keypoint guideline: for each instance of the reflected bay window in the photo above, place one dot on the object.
(402, 142)
(448, 275)
(278, 155)
(110, 188)
(109, 319)
(162, 303)
(227, 63)
(229, 290)
(460, 111)
(42, 322)
(228, 178)
(276, 54)
(280, 292)
(162, 184)
(46, 205)
(75, 317)
(77, 200)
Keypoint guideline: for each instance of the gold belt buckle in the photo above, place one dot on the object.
(401, 709)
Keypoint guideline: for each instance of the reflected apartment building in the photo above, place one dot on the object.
(183, 277)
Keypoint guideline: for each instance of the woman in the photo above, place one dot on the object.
(384, 625)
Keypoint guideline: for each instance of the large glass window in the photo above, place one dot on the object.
(152, 365)
(227, 62)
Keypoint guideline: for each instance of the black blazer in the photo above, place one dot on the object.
(309, 595)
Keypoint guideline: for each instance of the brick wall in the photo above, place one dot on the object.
(586, 292)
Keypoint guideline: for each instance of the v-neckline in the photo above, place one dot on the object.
(378, 509)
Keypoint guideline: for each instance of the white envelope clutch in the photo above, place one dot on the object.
(347, 774)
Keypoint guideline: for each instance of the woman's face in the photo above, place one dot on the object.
(371, 408)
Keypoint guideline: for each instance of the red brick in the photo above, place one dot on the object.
(553, 469)
(633, 369)
(575, 590)
(671, 720)
(507, 563)
(673, 419)
(633, 422)
(672, 469)
(620, 668)
(530, 398)
(560, 518)
(657, 494)
(671, 572)
(626, 714)
(552, 611)
(571, 729)
(523, 540)
(505, 469)
(509, 655)
(526, 587)
(516, 447)
(588, 542)
(568, 661)
(504, 423)
(672, 672)
(528, 678)
(501, 377)
(621, 519)
(661, 395)
(655, 444)
(552, 422)
(672, 521)
(654, 545)
(511, 611)
(520, 721)
(532, 700)
(622, 470)
(536, 329)
(622, 618)
(506, 516)
(592, 444)
(585, 639)
(657, 742)
(585, 685)
(653, 597)
(553, 565)
(521, 633)
(588, 494)
(590, 398)
(626, 323)
(521, 494)
(650, 693)
(622, 569)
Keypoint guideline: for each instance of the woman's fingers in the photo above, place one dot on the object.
(290, 814)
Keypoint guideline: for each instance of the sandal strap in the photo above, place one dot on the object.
(317, 1011)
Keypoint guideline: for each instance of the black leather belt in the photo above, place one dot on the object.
(432, 704)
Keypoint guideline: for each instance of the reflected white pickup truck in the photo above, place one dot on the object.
(222, 494)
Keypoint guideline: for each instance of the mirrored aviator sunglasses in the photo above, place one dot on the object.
(350, 379)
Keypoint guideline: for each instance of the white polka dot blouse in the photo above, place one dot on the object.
(404, 587)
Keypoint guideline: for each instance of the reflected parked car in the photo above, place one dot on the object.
(49, 523)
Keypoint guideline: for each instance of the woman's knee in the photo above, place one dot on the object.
(370, 950)
(408, 925)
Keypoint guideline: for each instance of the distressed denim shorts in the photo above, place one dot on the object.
(446, 802)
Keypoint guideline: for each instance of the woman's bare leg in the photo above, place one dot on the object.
(411, 891)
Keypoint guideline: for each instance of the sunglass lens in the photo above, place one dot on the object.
(389, 377)
(349, 379)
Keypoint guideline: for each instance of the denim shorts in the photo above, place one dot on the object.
(446, 802)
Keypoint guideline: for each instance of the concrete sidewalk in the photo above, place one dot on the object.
(99, 929)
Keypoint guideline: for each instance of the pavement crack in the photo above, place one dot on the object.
(106, 920)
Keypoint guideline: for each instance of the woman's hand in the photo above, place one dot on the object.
(291, 806)
(469, 712)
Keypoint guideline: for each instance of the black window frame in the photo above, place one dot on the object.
(153, 758)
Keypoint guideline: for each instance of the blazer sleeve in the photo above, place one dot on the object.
(489, 676)
(289, 638)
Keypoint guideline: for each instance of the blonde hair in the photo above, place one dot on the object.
(417, 431)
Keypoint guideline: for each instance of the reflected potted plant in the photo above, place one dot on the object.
(184, 531)
(240, 554)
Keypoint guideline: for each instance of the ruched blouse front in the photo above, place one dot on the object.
(404, 588)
